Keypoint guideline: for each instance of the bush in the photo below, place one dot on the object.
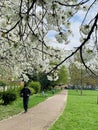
(35, 85)
(0, 95)
(32, 91)
(2, 84)
(45, 83)
(8, 97)
(17, 90)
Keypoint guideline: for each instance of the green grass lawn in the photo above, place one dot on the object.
(81, 112)
(17, 106)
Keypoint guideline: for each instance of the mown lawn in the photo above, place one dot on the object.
(81, 112)
(17, 106)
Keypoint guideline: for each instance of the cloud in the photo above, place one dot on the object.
(75, 26)
(74, 39)
(51, 34)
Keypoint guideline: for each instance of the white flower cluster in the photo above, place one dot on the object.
(23, 33)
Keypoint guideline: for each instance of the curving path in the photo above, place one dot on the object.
(40, 117)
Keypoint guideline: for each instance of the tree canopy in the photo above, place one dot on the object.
(24, 29)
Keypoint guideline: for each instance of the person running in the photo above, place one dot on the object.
(25, 93)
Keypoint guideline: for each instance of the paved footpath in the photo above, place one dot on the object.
(40, 117)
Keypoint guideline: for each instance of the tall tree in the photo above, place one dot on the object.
(63, 77)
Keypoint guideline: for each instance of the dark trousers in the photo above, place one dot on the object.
(25, 103)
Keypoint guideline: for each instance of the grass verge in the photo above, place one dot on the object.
(81, 112)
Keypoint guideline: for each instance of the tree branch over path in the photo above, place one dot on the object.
(87, 68)
(80, 3)
(80, 47)
(34, 1)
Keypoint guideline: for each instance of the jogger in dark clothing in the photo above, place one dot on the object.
(25, 93)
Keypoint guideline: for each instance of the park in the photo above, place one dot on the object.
(49, 48)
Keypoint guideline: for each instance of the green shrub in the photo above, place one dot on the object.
(0, 95)
(17, 90)
(2, 84)
(32, 91)
(8, 97)
(35, 85)
(45, 83)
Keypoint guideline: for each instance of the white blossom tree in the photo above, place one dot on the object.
(24, 27)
